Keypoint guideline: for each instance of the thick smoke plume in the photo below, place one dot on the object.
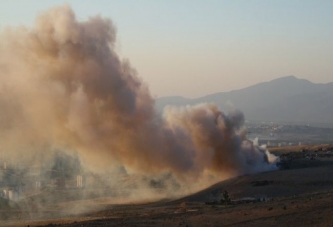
(63, 87)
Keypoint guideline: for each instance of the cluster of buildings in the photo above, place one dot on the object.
(279, 135)
(16, 183)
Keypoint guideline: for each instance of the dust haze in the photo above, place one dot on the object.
(66, 95)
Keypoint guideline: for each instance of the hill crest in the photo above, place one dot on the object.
(285, 99)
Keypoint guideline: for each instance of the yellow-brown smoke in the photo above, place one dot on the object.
(63, 86)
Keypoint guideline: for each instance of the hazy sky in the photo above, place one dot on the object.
(195, 47)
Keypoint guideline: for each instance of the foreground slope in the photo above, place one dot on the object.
(300, 194)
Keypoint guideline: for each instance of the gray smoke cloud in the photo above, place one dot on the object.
(63, 87)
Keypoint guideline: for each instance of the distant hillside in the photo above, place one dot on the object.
(287, 99)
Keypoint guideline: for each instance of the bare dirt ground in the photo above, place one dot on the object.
(301, 194)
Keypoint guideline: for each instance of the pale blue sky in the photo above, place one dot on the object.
(193, 48)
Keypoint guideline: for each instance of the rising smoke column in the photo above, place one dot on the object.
(63, 86)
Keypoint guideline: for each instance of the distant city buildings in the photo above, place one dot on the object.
(279, 135)
(17, 182)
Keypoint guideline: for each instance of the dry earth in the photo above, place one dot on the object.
(301, 194)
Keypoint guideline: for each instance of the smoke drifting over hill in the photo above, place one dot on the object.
(63, 87)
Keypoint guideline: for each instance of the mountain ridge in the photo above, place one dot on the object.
(285, 99)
